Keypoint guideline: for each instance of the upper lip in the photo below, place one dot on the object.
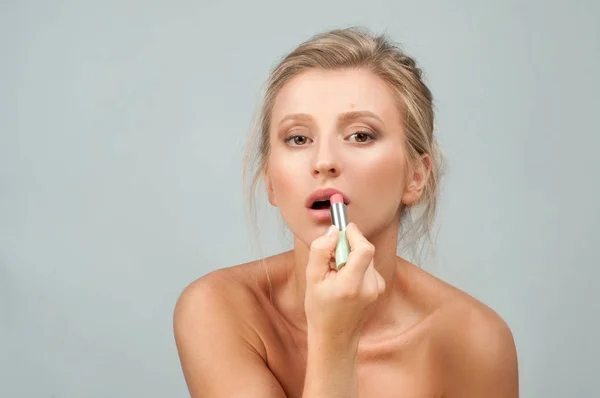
(324, 193)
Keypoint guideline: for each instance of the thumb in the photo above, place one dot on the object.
(320, 253)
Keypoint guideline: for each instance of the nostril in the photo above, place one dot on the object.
(326, 167)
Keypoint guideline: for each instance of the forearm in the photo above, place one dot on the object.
(331, 369)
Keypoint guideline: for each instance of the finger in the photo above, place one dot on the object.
(371, 277)
(361, 253)
(370, 282)
(320, 254)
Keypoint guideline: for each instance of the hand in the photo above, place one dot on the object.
(337, 302)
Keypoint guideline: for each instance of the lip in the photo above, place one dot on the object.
(324, 193)
(319, 215)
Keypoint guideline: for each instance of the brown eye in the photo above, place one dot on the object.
(299, 140)
(363, 137)
(296, 140)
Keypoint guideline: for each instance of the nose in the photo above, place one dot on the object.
(326, 161)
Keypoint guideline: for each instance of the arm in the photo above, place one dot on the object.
(214, 343)
(217, 361)
(217, 355)
(485, 362)
(337, 304)
(331, 369)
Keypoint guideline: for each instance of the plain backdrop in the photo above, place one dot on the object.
(122, 125)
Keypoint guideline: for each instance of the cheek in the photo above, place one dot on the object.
(381, 172)
(284, 175)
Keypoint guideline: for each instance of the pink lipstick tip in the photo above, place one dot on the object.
(336, 198)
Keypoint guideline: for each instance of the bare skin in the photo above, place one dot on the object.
(399, 332)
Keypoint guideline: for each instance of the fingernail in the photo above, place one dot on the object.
(330, 231)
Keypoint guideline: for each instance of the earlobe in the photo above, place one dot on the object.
(270, 190)
(418, 180)
(412, 193)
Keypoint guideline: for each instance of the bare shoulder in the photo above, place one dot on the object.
(227, 294)
(455, 307)
(480, 351)
(234, 279)
(476, 345)
(215, 327)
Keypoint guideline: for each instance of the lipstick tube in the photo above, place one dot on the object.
(339, 218)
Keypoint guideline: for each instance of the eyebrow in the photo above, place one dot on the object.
(344, 118)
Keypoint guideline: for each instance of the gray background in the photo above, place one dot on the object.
(122, 125)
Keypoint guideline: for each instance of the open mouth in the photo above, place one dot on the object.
(321, 204)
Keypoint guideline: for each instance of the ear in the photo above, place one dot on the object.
(269, 188)
(416, 181)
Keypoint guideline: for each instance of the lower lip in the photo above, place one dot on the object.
(319, 214)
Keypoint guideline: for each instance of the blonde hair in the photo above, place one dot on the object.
(358, 48)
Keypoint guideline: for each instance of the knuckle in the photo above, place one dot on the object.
(370, 294)
(348, 293)
(367, 249)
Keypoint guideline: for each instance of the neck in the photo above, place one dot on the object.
(386, 262)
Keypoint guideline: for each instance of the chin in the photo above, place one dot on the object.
(306, 234)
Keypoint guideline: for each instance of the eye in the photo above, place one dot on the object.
(363, 136)
(296, 140)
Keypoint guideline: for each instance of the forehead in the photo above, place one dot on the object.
(324, 94)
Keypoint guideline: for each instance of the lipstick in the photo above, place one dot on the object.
(339, 218)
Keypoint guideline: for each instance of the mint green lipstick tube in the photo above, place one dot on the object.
(342, 247)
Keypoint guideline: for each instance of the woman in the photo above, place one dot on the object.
(345, 112)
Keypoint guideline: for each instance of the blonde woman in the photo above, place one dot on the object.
(346, 112)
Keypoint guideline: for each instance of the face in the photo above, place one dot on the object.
(339, 129)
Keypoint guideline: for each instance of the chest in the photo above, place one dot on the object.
(392, 371)
(398, 380)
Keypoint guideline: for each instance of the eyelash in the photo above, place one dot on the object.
(369, 134)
